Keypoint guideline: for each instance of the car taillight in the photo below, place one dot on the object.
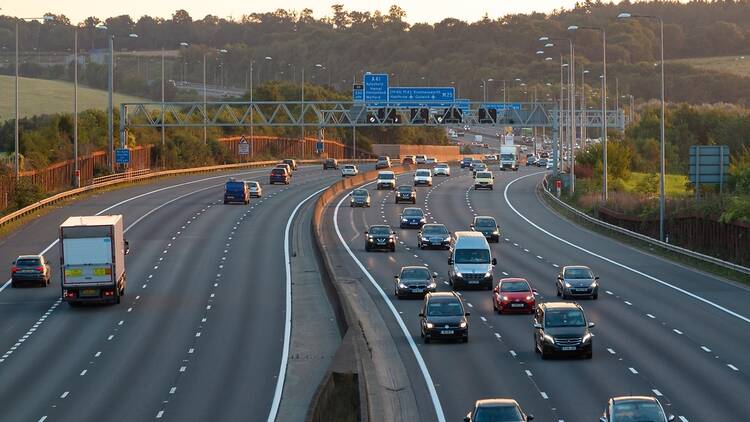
(109, 293)
(14, 269)
(69, 294)
(40, 268)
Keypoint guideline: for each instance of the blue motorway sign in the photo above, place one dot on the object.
(358, 92)
(421, 94)
(503, 106)
(463, 104)
(319, 147)
(376, 87)
(122, 156)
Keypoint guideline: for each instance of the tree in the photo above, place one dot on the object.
(181, 16)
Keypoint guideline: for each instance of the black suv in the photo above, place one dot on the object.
(380, 237)
(434, 236)
(443, 316)
(561, 328)
(406, 193)
(466, 162)
(414, 281)
(488, 227)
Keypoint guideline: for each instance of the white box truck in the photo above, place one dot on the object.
(509, 157)
(92, 259)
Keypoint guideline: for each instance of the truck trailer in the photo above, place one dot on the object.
(509, 157)
(92, 259)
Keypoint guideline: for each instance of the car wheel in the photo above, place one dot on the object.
(413, 201)
(13, 284)
(367, 248)
(544, 354)
(465, 339)
(427, 339)
(43, 283)
(393, 249)
(595, 296)
(558, 291)
(589, 354)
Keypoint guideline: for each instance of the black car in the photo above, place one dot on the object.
(488, 227)
(360, 198)
(443, 316)
(380, 237)
(434, 236)
(542, 162)
(291, 162)
(466, 162)
(577, 281)
(561, 328)
(530, 160)
(412, 218)
(330, 163)
(32, 269)
(414, 281)
(497, 410)
(406, 193)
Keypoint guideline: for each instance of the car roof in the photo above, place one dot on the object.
(413, 208)
(479, 217)
(385, 172)
(433, 225)
(561, 305)
(29, 256)
(634, 398)
(414, 267)
(442, 295)
(496, 402)
(575, 267)
(513, 279)
(406, 186)
(380, 225)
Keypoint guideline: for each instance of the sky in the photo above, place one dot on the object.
(429, 11)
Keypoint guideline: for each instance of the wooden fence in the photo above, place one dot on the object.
(730, 242)
(289, 147)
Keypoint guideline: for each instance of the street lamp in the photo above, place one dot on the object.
(625, 15)
(269, 60)
(583, 103)
(604, 102)
(16, 133)
(205, 96)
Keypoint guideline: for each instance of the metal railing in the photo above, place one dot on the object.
(664, 245)
(118, 176)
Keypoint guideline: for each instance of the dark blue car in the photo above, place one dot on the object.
(412, 218)
(236, 191)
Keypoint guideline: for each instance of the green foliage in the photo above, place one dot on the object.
(26, 193)
(739, 172)
(648, 185)
(618, 160)
(738, 208)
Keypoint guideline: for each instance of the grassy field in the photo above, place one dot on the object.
(674, 184)
(736, 65)
(41, 96)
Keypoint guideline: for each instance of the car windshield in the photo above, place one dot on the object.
(485, 222)
(235, 186)
(484, 175)
(564, 318)
(359, 193)
(480, 166)
(441, 166)
(467, 160)
(640, 411)
(430, 229)
(423, 173)
(252, 184)
(506, 156)
(386, 176)
(349, 167)
(278, 171)
(578, 273)
(443, 308)
(379, 231)
(514, 286)
(413, 212)
(28, 262)
(472, 256)
(498, 414)
(404, 189)
(415, 274)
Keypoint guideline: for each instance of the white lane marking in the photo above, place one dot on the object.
(677, 331)
(497, 335)
(172, 390)
(611, 261)
(609, 292)
(183, 368)
(417, 355)
(633, 370)
(544, 395)
(657, 392)
(555, 265)
(97, 354)
(160, 414)
(650, 316)
(83, 372)
(513, 353)
(528, 373)
(732, 367)
(483, 319)
(628, 303)
(65, 394)
(539, 257)
(470, 305)
(706, 349)
(288, 310)
(42, 419)
(682, 419)
(111, 336)
(504, 273)
(611, 351)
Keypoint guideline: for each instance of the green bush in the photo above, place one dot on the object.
(26, 193)
(737, 208)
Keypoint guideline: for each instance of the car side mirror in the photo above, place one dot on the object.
(396, 277)
(596, 278)
(670, 418)
(535, 292)
(467, 418)
(421, 314)
(471, 225)
(434, 275)
(450, 261)
(603, 419)
(538, 326)
(365, 231)
(494, 261)
(467, 314)
(127, 247)
(529, 417)
(592, 324)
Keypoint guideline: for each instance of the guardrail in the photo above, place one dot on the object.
(30, 209)
(118, 176)
(664, 245)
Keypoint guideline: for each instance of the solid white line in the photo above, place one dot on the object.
(706, 349)
(611, 351)
(732, 367)
(287, 311)
(633, 370)
(657, 392)
(611, 261)
(42, 419)
(418, 356)
(682, 419)
(677, 331)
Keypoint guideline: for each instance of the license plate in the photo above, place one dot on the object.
(417, 291)
(516, 305)
(446, 332)
(568, 348)
(381, 242)
(90, 292)
(581, 290)
(436, 242)
(473, 281)
(74, 273)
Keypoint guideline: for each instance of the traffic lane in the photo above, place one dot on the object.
(21, 308)
(475, 376)
(582, 391)
(655, 352)
(168, 311)
(248, 313)
(706, 326)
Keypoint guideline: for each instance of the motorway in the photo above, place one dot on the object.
(201, 330)
(662, 329)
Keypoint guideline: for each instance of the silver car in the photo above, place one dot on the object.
(442, 169)
(577, 281)
(256, 191)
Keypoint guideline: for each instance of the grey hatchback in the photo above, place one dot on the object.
(577, 281)
(30, 269)
(414, 281)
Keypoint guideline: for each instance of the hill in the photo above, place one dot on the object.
(735, 65)
(41, 96)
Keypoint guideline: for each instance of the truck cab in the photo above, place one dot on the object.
(509, 157)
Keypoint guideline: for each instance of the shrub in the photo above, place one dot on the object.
(26, 193)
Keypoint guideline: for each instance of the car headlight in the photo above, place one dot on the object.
(496, 232)
(567, 285)
(432, 285)
(593, 284)
(370, 237)
(548, 338)
(458, 274)
(586, 337)
(529, 297)
(488, 274)
(463, 324)
(401, 285)
(424, 239)
(430, 325)
(505, 297)
(447, 239)
(422, 220)
(404, 220)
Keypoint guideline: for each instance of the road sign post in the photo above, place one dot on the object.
(709, 165)
(122, 156)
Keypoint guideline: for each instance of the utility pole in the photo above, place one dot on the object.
(76, 170)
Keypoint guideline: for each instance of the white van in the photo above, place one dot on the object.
(471, 262)
(386, 180)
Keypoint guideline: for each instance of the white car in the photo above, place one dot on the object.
(256, 191)
(431, 160)
(442, 169)
(421, 159)
(423, 177)
(349, 170)
(549, 163)
(386, 180)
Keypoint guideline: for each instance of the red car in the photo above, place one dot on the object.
(514, 295)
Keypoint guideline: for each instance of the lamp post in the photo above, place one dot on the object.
(625, 15)
(76, 170)
(269, 59)
(604, 102)
(205, 97)
(16, 132)
(583, 104)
